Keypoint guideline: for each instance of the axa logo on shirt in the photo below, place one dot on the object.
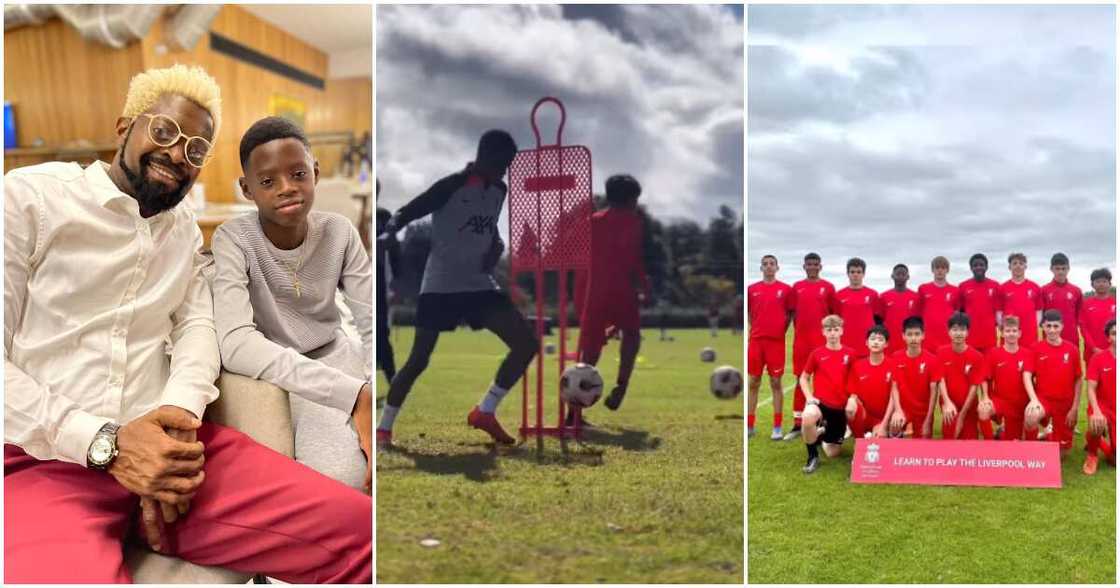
(480, 224)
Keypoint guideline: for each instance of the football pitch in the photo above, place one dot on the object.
(654, 496)
(823, 529)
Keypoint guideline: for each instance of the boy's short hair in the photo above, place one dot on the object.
(879, 330)
(623, 189)
(939, 261)
(913, 322)
(976, 256)
(900, 265)
(959, 319)
(1111, 324)
(1052, 316)
(856, 262)
(811, 256)
(1017, 255)
(1100, 273)
(497, 142)
(268, 129)
(1011, 321)
(831, 321)
(1059, 259)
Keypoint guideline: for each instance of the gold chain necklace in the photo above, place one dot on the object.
(294, 272)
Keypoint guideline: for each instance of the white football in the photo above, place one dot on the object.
(707, 355)
(726, 382)
(581, 385)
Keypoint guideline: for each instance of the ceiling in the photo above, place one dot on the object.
(343, 32)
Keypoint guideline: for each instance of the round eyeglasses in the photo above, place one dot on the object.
(165, 132)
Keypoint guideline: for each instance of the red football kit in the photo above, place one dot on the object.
(936, 304)
(858, 308)
(1102, 370)
(961, 371)
(897, 307)
(812, 300)
(1056, 370)
(980, 301)
(871, 384)
(611, 298)
(1095, 314)
(914, 376)
(829, 369)
(1023, 300)
(1066, 299)
(1005, 387)
(767, 305)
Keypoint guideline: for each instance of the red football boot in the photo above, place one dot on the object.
(489, 423)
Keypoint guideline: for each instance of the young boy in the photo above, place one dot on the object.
(917, 373)
(1102, 404)
(938, 300)
(458, 284)
(613, 296)
(769, 313)
(388, 257)
(1003, 396)
(1055, 381)
(1022, 298)
(824, 378)
(1096, 311)
(276, 274)
(899, 304)
(963, 371)
(1063, 297)
(980, 300)
(858, 305)
(812, 298)
(869, 388)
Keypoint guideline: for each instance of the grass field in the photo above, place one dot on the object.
(655, 496)
(823, 529)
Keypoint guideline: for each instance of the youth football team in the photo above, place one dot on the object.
(881, 364)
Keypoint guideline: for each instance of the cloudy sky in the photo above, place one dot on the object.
(654, 91)
(898, 133)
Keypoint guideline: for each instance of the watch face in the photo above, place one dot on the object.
(101, 450)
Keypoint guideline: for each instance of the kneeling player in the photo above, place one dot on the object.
(963, 369)
(916, 376)
(1102, 403)
(1003, 397)
(1056, 378)
(869, 388)
(823, 379)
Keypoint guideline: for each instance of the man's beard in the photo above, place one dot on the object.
(153, 197)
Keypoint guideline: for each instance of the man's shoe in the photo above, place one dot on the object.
(488, 422)
(792, 434)
(614, 399)
(1090, 466)
(776, 434)
(384, 440)
(811, 465)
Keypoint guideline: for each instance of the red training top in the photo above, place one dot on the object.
(936, 304)
(858, 308)
(811, 302)
(829, 369)
(914, 375)
(980, 301)
(1023, 300)
(872, 385)
(1056, 368)
(1005, 373)
(961, 371)
(1102, 370)
(897, 307)
(767, 307)
(1066, 299)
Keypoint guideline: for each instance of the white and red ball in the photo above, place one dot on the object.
(581, 385)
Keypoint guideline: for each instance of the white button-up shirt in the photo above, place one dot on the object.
(107, 315)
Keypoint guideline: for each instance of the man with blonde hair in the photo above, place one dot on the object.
(110, 359)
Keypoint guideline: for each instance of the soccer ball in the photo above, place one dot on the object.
(727, 382)
(708, 355)
(581, 385)
(549, 348)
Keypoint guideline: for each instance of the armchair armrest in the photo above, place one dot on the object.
(256, 408)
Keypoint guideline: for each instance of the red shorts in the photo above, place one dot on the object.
(916, 423)
(1056, 411)
(864, 421)
(597, 318)
(766, 353)
(970, 428)
(1012, 415)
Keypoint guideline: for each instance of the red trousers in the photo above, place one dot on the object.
(257, 512)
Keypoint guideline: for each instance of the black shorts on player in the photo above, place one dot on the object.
(445, 312)
(835, 422)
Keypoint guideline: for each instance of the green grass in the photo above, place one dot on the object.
(656, 496)
(824, 529)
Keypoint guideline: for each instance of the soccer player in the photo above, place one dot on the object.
(1003, 396)
(1096, 311)
(980, 300)
(1063, 297)
(898, 304)
(617, 284)
(869, 388)
(769, 312)
(1102, 404)
(824, 378)
(1056, 383)
(963, 371)
(858, 305)
(1022, 298)
(937, 301)
(917, 373)
(812, 298)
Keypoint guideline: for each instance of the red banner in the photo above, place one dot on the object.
(1029, 464)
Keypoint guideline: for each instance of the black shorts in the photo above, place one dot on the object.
(835, 424)
(445, 312)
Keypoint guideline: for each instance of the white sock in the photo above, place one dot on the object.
(492, 398)
(388, 415)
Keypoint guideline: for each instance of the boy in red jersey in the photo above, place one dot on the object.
(769, 314)
(980, 300)
(617, 273)
(858, 305)
(963, 369)
(1022, 298)
(938, 300)
(1063, 297)
(1003, 396)
(824, 378)
(812, 298)
(917, 374)
(869, 388)
(1102, 404)
(1096, 311)
(1055, 382)
(898, 304)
